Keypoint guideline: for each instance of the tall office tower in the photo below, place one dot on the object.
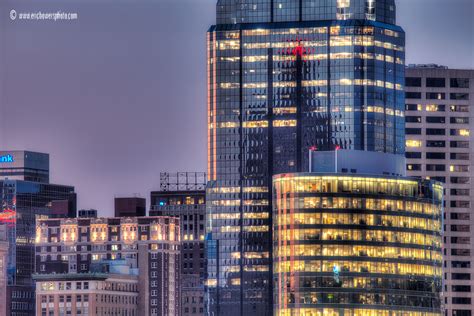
(25, 196)
(286, 76)
(130, 206)
(150, 244)
(356, 238)
(183, 195)
(439, 110)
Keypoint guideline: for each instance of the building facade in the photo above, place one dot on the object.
(285, 77)
(354, 245)
(91, 213)
(188, 202)
(439, 120)
(24, 165)
(130, 206)
(25, 196)
(149, 244)
(3, 269)
(92, 294)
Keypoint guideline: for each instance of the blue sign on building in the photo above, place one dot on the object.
(6, 159)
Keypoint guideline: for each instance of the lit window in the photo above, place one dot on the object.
(284, 123)
(413, 143)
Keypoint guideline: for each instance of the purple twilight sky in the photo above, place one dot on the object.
(119, 94)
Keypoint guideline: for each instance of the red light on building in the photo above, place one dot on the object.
(8, 217)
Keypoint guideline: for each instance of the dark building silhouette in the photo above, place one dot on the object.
(130, 207)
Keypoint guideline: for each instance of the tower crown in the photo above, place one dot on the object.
(264, 11)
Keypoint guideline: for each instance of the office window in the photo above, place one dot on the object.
(459, 132)
(460, 241)
(461, 288)
(460, 204)
(459, 96)
(435, 108)
(413, 167)
(459, 120)
(435, 82)
(460, 216)
(459, 156)
(460, 228)
(436, 119)
(461, 300)
(435, 96)
(459, 108)
(460, 252)
(413, 131)
(430, 167)
(413, 81)
(436, 143)
(413, 95)
(413, 155)
(413, 143)
(460, 192)
(460, 180)
(460, 83)
(413, 107)
(461, 264)
(413, 119)
(435, 156)
(435, 131)
(459, 168)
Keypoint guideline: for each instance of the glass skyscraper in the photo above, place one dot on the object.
(286, 77)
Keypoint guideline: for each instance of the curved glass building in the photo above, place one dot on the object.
(353, 245)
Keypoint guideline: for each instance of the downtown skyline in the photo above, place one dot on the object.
(104, 134)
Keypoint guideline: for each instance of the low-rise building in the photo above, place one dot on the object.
(149, 244)
(94, 293)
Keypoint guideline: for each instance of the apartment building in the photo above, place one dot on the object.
(439, 109)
